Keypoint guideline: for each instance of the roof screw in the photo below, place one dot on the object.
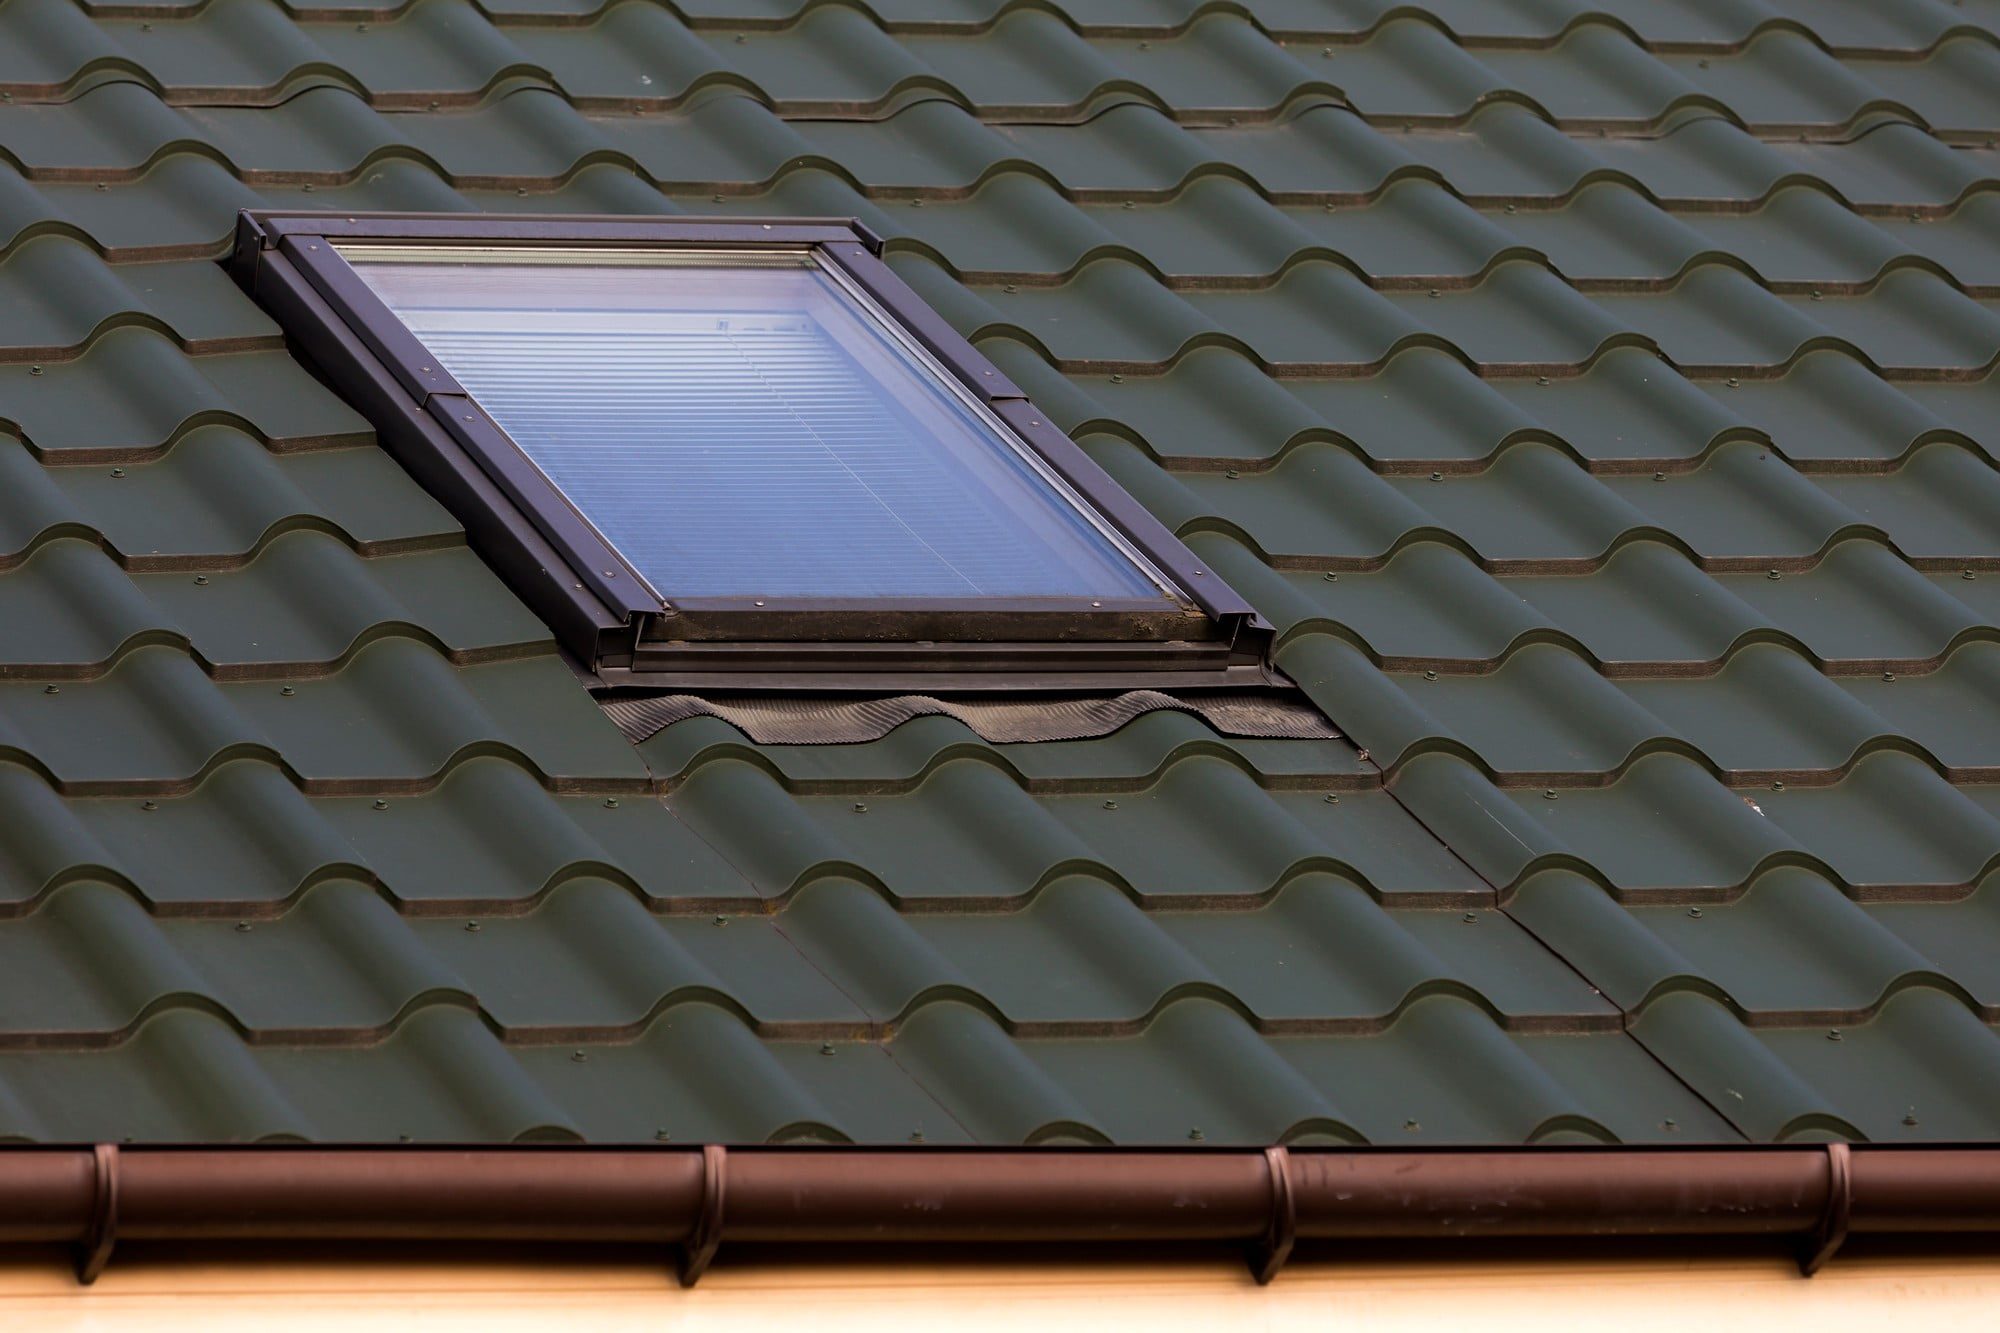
(1331, 577)
(1695, 912)
(381, 804)
(1911, 1117)
(1542, 380)
(102, 187)
(1701, 64)
(1816, 296)
(307, 187)
(1773, 575)
(118, 472)
(149, 805)
(663, 1136)
(1668, 1123)
(1326, 53)
(577, 1057)
(361, 27)
(1548, 793)
(1471, 918)
(826, 1048)
(1361, 755)
(287, 691)
(1889, 675)
(1332, 798)
(51, 689)
(1731, 381)
(916, 1136)
(472, 927)
(201, 580)
(145, 27)
(1195, 1135)
(721, 920)
(1435, 293)
(741, 39)
(431, 105)
(1437, 476)
(1037, 423)
(756, 603)
(1097, 604)
(1777, 786)
(1145, 46)
(1967, 575)
(1232, 474)
(861, 807)
(1117, 379)
(1510, 208)
(1659, 476)
(610, 573)
(1412, 1126)
(242, 927)
(1430, 675)
(1111, 805)
(1833, 1034)
(611, 803)
(1010, 289)
(34, 370)
(520, 191)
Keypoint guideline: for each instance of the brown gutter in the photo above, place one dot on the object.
(694, 1199)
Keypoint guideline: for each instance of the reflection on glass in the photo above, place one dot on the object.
(748, 427)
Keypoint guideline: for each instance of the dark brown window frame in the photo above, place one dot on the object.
(602, 609)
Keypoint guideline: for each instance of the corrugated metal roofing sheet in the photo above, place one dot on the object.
(1599, 396)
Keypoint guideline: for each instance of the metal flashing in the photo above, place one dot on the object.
(795, 720)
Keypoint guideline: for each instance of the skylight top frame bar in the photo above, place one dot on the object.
(290, 261)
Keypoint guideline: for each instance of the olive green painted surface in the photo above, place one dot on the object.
(1597, 396)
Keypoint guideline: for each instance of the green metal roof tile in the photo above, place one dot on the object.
(133, 394)
(1498, 354)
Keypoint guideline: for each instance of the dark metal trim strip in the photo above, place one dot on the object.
(1276, 1247)
(95, 1252)
(706, 1237)
(1831, 1233)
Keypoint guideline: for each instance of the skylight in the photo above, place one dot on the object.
(743, 453)
(747, 425)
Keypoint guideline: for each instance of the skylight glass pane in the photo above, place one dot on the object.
(746, 426)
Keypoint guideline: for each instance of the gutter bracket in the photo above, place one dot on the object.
(707, 1233)
(1831, 1232)
(1275, 1248)
(95, 1252)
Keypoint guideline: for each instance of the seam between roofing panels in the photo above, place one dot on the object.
(1499, 905)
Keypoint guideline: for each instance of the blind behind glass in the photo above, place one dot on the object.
(749, 430)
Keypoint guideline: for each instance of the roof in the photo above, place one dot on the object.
(1597, 399)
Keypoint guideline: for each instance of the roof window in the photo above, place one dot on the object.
(741, 453)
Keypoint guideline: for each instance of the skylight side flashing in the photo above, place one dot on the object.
(1195, 632)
